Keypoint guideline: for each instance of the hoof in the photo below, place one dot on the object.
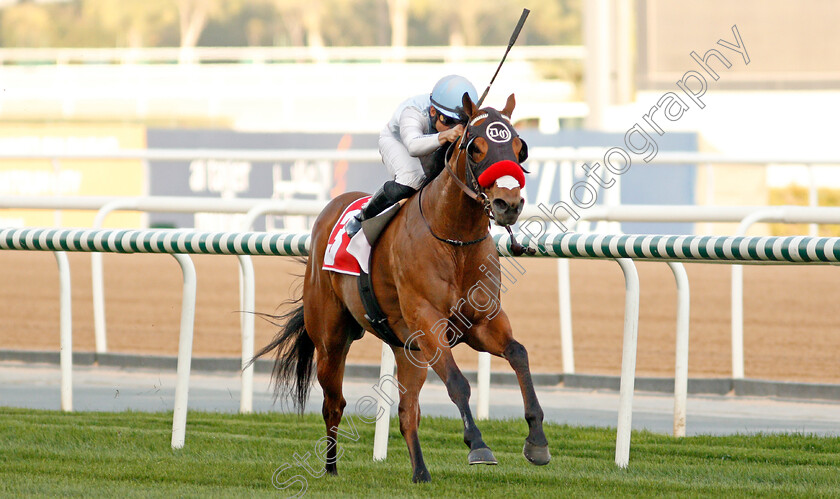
(536, 454)
(421, 477)
(482, 456)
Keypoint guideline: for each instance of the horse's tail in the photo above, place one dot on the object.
(295, 351)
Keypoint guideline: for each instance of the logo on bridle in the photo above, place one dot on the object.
(498, 132)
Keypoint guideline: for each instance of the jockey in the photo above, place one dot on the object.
(419, 127)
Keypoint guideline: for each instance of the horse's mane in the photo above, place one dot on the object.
(434, 164)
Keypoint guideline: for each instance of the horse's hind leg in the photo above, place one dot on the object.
(335, 332)
(331, 377)
(411, 377)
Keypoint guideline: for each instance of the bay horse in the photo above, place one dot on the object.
(423, 266)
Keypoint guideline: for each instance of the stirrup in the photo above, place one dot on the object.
(353, 226)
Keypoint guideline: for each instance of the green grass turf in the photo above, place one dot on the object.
(128, 455)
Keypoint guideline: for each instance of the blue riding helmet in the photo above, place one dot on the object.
(446, 96)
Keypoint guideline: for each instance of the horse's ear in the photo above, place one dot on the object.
(468, 105)
(509, 105)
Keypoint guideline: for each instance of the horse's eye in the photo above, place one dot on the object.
(473, 149)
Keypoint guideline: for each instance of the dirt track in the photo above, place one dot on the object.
(791, 319)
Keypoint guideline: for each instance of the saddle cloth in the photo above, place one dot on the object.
(344, 255)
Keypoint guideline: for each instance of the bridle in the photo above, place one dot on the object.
(474, 190)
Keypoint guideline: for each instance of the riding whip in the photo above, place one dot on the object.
(517, 249)
(513, 38)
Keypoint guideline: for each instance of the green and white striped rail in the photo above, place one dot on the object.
(155, 241)
(623, 248)
(178, 243)
(741, 249)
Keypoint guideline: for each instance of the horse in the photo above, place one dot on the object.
(424, 266)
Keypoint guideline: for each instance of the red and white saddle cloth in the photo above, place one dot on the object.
(345, 255)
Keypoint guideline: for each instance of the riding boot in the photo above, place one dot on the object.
(387, 195)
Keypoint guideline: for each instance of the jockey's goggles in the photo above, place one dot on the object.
(448, 121)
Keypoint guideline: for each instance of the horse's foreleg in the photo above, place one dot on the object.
(411, 377)
(496, 337)
(536, 445)
(438, 351)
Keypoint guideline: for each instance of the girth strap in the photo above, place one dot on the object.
(373, 312)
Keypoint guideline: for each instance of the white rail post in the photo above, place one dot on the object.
(628, 362)
(247, 285)
(681, 354)
(185, 341)
(98, 297)
(383, 413)
(66, 334)
(483, 401)
(564, 289)
(564, 292)
(737, 321)
(246, 269)
(98, 281)
(738, 291)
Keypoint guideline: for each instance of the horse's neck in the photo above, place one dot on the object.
(451, 213)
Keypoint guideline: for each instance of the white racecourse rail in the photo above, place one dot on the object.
(623, 248)
(179, 243)
(106, 205)
(746, 216)
(549, 155)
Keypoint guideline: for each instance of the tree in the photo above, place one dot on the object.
(302, 19)
(475, 22)
(193, 16)
(398, 14)
(355, 22)
(27, 25)
(133, 23)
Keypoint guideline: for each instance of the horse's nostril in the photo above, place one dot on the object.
(500, 205)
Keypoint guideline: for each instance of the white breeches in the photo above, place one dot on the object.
(405, 169)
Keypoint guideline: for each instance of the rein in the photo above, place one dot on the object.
(453, 242)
